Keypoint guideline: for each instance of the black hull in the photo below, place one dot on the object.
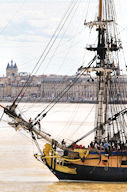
(91, 173)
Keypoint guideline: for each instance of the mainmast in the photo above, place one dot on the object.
(100, 10)
(101, 51)
(107, 45)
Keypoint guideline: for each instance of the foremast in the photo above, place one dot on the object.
(105, 66)
(101, 55)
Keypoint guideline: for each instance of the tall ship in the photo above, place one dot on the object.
(105, 157)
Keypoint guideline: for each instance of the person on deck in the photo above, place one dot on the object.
(63, 142)
(106, 147)
(75, 146)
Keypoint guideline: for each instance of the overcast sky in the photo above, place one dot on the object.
(26, 27)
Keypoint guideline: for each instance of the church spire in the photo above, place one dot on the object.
(8, 66)
(15, 66)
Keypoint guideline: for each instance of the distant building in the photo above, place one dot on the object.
(11, 70)
(23, 74)
(68, 89)
(47, 88)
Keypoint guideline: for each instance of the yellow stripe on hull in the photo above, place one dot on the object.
(58, 163)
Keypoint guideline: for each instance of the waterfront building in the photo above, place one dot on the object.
(11, 70)
(45, 88)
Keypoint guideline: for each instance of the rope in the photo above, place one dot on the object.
(36, 143)
(61, 94)
(47, 48)
(58, 156)
(114, 117)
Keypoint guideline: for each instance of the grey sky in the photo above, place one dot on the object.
(27, 25)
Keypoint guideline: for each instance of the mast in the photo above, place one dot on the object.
(101, 51)
(106, 67)
(100, 10)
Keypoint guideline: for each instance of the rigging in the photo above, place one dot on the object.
(41, 115)
(47, 48)
(113, 118)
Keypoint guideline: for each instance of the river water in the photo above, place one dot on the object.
(21, 172)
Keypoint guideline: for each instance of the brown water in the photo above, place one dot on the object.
(60, 187)
(21, 172)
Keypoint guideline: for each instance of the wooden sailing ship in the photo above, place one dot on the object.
(105, 159)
